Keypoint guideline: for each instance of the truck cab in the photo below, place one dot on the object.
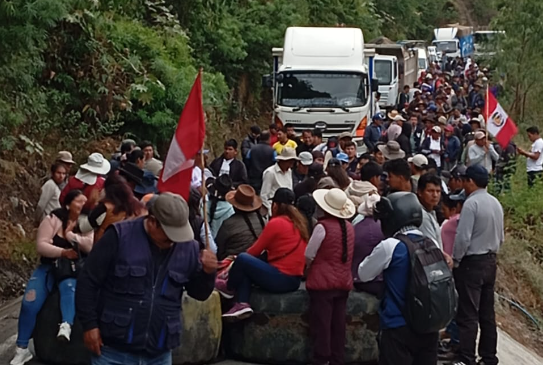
(386, 72)
(321, 81)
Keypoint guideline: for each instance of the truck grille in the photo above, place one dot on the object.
(332, 130)
(384, 98)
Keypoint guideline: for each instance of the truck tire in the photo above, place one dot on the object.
(48, 348)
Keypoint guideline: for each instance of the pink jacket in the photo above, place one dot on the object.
(49, 227)
(448, 234)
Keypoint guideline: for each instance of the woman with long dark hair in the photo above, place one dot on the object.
(335, 171)
(118, 204)
(329, 256)
(284, 240)
(55, 240)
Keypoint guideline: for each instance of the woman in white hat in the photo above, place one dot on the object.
(329, 256)
(89, 179)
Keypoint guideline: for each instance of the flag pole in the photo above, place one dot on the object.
(486, 121)
(203, 187)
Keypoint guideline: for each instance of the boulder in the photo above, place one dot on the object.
(202, 330)
(278, 331)
(48, 348)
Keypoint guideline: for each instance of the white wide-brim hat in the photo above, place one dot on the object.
(335, 202)
(96, 163)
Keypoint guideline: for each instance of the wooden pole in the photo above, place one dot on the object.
(487, 150)
(203, 186)
(204, 197)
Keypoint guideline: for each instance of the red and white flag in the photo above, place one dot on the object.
(187, 141)
(498, 123)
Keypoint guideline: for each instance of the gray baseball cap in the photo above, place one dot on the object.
(172, 212)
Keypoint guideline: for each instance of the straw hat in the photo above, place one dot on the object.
(244, 198)
(288, 153)
(393, 114)
(335, 203)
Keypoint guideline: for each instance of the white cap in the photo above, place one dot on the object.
(436, 129)
(306, 158)
(418, 160)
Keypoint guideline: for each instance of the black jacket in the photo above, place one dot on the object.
(246, 146)
(262, 156)
(238, 172)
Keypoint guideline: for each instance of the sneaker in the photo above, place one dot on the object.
(64, 332)
(222, 287)
(21, 356)
(239, 311)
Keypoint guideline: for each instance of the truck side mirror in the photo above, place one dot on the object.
(267, 81)
(374, 85)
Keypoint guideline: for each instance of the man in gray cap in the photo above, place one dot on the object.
(128, 295)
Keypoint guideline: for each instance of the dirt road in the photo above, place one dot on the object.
(510, 352)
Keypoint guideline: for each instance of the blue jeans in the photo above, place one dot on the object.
(452, 330)
(37, 290)
(111, 356)
(248, 270)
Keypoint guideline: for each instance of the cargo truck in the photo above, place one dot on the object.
(395, 66)
(321, 80)
(454, 41)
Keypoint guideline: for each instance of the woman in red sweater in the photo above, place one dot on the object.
(284, 239)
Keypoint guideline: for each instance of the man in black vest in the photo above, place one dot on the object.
(228, 164)
(128, 295)
(261, 156)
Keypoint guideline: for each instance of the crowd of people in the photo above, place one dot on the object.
(288, 209)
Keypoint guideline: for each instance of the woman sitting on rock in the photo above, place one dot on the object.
(54, 241)
(241, 230)
(329, 256)
(284, 240)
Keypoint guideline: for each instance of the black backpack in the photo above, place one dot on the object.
(431, 299)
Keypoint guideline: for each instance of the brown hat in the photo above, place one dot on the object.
(244, 198)
(65, 156)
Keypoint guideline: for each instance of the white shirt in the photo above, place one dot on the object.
(225, 167)
(536, 165)
(196, 180)
(50, 194)
(435, 145)
(274, 178)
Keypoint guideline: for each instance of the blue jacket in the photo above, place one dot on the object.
(452, 149)
(372, 136)
(390, 257)
(140, 289)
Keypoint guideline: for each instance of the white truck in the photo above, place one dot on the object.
(454, 41)
(395, 65)
(321, 81)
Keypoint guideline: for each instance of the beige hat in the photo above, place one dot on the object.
(358, 190)
(391, 150)
(172, 212)
(393, 114)
(65, 156)
(345, 135)
(334, 202)
(436, 129)
(442, 120)
(288, 153)
(480, 135)
(418, 160)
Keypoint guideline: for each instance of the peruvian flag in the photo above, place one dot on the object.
(498, 122)
(187, 141)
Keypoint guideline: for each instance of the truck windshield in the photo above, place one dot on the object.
(422, 64)
(383, 71)
(446, 46)
(322, 89)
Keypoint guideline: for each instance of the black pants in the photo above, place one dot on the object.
(533, 176)
(327, 325)
(401, 346)
(475, 279)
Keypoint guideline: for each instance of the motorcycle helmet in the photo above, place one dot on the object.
(398, 210)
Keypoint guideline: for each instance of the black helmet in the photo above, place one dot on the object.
(398, 210)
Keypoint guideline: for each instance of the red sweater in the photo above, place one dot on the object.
(280, 238)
